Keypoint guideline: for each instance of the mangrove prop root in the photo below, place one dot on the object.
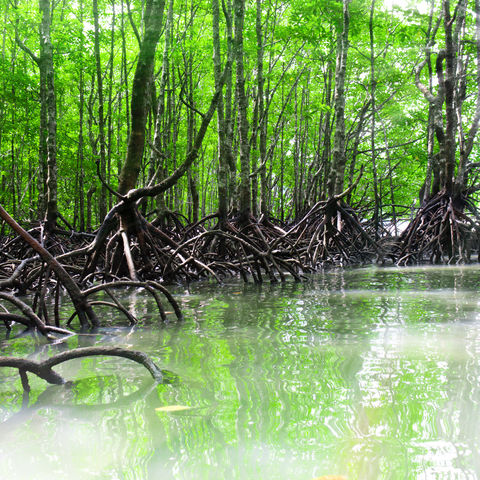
(329, 232)
(28, 318)
(440, 232)
(151, 254)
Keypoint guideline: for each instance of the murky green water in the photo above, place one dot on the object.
(369, 374)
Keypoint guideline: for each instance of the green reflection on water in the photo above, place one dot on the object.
(368, 373)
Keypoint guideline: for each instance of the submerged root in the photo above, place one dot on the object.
(44, 370)
(27, 317)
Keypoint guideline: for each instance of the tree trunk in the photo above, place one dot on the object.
(46, 59)
(42, 145)
(449, 86)
(262, 147)
(140, 90)
(223, 200)
(110, 104)
(373, 85)
(254, 156)
(157, 155)
(229, 116)
(244, 192)
(125, 70)
(468, 142)
(80, 149)
(101, 118)
(337, 172)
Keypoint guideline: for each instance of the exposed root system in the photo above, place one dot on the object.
(441, 232)
(129, 251)
(45, 275)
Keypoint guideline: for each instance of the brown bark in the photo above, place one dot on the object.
(84, 310)
(45, 372)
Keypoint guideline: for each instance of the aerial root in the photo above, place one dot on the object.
(52, 276)
(329, 233)
(28, 318)
(440, 232)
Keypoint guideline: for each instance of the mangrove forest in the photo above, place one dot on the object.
(211, 208)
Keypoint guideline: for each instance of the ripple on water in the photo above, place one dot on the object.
(367, 373)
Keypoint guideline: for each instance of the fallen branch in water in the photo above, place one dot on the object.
(44, 370)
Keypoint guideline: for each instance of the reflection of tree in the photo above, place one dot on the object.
(63, 412)
(417, 397)
(55, 397)
(345, 374)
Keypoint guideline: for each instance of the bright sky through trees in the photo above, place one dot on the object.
(420, 5)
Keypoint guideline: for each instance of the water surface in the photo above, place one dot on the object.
(366, 373)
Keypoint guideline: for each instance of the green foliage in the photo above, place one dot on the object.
(299, 40)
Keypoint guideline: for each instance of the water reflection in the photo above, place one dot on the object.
(368, 373)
